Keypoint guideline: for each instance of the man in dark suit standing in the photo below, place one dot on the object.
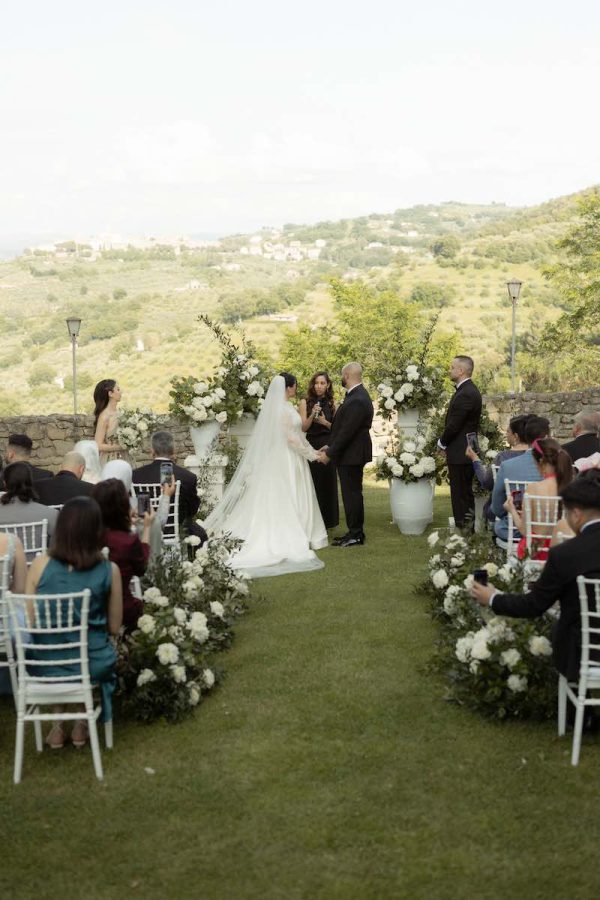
(163, 450)
(462, 418)
(585, 432)
(350, 449)
(578, 556)
(66, 483)
(19, 450)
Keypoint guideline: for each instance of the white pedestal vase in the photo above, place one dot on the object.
(408, 422)
(412, 504)
(214, 468)
(242, 429)
(203, 437)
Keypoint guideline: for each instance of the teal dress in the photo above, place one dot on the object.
(59, 578)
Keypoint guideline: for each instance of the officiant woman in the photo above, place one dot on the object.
(317, 412)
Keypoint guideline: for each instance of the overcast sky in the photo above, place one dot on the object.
(193, 116)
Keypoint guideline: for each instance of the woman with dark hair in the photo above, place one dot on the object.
(270, 503)
(317, 412)
(73, 563)
(517, 445)
(19, 504)
(107, 394)
(125, 548)
(556, 469)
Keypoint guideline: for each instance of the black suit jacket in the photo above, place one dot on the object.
(584, 445)
(61, 488)
(462, 416)
(578, 556)
(37, 474)
(350, 443)
(188, 493)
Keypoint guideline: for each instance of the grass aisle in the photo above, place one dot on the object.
(326, 766)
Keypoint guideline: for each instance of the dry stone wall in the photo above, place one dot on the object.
(54, 435)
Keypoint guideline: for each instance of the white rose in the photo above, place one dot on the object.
(468, 582)
(200, 415)
(217, 609)
(463, 647)
(168, 654)
(390, 404)
(221, 417)
(387, 391)
(198, 628)
(194, 695)
(510, 658)
(505, 572)
(200, 387)
(439, 578)
(417, 470)
(193, 540)
(146, 624)
(539, 645)
(397, 470)
(428, 463)
(517, 683)
(480, 649)
(484, 443)
(221, 394)
(180, 615)
(449, 605)
(208, 678)
(399, 395)
(410, 446)
(143, 426)
(490, 454)
(207, 401)
(408, 389)
(433, 538)
(254, 389)
(457, 561)
(491, 568)
(254, 370)
(408, 459)
(434, 560)
(178, 674)
(145, 677)
(152, 593)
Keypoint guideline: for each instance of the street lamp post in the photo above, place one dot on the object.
(514, 289)
(74, 324)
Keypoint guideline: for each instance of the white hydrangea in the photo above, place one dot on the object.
(200, 415)
(468, 582)
(200, 387)
(194, 695)
(146, 624)
(193, 540)
(180, 615)
(434, 560)
(455, 541)
(145, 677)
(217, 609)
(399, 395)
(409, 459)
(439, 578)
(208, 678)
(449, 604)
(254, 389)
(152, 593)
(253, 370)
(221, 417)
(220, 393)
(517, 683)
(499, 630)
(390, 404)
(428, 464)
(539, 645)
(408, 389)
(178, 674)
(491, 568)
(417, 470)
(480, 649)
(484, 442)
(198, 627)
(387, 392)
(510, 658)
(410, 446)
(463, 647)
(412, 373)
(433, 538)
(397, 470)
(490, 454)
(457, 561)
(504, 573)
(168, 654)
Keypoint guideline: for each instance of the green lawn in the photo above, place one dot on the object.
(327, 765)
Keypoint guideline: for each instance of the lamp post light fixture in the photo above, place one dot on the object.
(514, 289)
(74, 324)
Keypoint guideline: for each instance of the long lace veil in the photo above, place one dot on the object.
(262, 465)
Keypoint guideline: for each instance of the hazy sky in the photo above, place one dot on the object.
(190, 116)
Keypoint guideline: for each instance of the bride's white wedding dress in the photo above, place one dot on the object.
(270, 502)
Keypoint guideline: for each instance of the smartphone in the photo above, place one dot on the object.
(517, 499)
(143, 502)
(480, 576)
(472, 441)
(166, 472)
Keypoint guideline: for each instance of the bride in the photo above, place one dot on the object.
(270, 502)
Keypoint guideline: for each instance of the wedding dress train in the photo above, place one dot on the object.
(270, 502)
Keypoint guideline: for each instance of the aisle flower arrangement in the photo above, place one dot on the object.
(497, 666)
(189, 609)
(134, 428)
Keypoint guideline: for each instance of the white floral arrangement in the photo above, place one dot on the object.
(135, 427)
(405, 458)
(500, 667)
(412, 386)
(194, 402)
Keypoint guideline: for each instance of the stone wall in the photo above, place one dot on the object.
(53, 436)
(559, 408)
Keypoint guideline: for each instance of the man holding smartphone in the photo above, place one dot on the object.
(462, 422)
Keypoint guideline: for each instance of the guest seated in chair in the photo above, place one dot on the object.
(121, 469)
(586, 425)
(163, 450)
(66, 483)
(516, 447)
(19, 504)
(126, 549)
(73, 563)
(522, 468)
(19, 450)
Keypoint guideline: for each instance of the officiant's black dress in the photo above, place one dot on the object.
(324, 477)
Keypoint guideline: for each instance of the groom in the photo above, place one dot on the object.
(349, 449)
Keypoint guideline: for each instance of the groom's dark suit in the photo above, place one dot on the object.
(350, 449)
(463, 416)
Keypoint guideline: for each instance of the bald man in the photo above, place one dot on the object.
(350, 449)
(66, 484)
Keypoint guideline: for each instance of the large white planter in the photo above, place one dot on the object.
(412, 504)
(408, 422)
(203, 437)
(242, 429)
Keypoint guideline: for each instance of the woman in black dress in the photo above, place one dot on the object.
(317, 413)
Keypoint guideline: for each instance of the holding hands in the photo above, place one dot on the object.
(322, 456)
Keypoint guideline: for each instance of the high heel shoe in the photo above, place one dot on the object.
(55, 739)
(80, 734)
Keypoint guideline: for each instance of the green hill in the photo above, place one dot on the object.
(139, 304)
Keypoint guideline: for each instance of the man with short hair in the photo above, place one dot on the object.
(19, 450)
(586, 426)
(163, 450)
(578, 556)
(66, 483)
(462, 418)
(520, 468)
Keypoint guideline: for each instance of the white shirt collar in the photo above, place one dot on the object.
(462, 381)
(349, 391)
(591, 522)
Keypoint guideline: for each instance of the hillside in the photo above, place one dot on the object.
(139, 303)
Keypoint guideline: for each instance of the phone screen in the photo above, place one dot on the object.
(481, 576)
(472, 441)
(166, 472)
(143, 502)
(517, 498)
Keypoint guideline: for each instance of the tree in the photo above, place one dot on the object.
(446, 246)
(119, 293)
(427, 294)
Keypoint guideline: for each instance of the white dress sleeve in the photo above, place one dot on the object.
(295, 436)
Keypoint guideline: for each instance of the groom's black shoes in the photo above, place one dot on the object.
(338, 541)
(353, 542)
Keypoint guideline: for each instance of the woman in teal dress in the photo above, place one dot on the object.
(74, 562)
